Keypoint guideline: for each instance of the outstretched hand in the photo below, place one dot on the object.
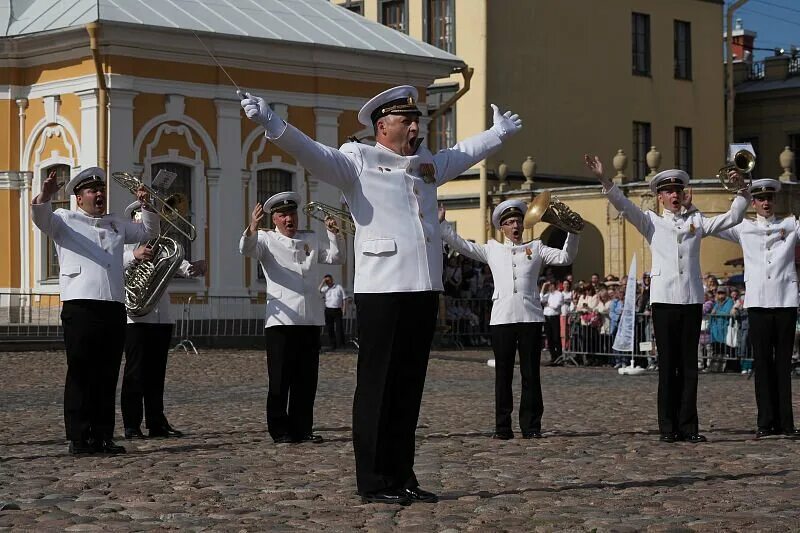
(687, 197)
(50, 186)
(505, 124)
(330, 224)
(442, 212)
(594, 164)
(256, 217)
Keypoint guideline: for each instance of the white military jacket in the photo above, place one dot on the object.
(292, 273)
(770, 277)
(515, 270)
(160, 313)
(675, 277)
(398, 246)
(90, 249)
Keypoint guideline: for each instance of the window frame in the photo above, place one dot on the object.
(427, 25)
(50, 259)
(682, 149)
(436, 95)
(684, 73)
(646, 53)
(404, 24)
(354, 6)
(640, 149)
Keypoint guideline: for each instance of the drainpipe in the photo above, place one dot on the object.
(102, 99)
(466, 73)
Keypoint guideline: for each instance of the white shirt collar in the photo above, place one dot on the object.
(764, 221)
(80, 210)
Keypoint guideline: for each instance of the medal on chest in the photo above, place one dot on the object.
(783, 234)
(528, 253)
(428, 172)
(692, 229)
(307, 249)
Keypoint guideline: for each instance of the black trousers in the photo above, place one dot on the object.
(293, 370)
(552, 329)
(772, 338)
(94, 334)
(507, 339)
(335, 326)
(395, 335)
(677, 331)
(146, 351)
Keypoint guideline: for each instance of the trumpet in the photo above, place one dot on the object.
(168, 208)
(320, 211)
(744, 161)
(554, 212)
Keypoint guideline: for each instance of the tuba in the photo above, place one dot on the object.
(554, 212)
(743, 161)
(146, 281)
(320, 211)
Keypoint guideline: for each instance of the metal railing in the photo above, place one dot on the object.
(26, 316)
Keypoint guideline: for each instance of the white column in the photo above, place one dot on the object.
(88, 127)
(120, 154)
(24, 202)
(327, 132)
(225, 203)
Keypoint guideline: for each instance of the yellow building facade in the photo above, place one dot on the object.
(642, 76)
(169, 106)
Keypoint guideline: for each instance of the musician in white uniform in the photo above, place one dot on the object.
(89, 244)
(391, 191)
(770, 279)
(289, 259)
(676, 292)
(517, 315)
(147, 339)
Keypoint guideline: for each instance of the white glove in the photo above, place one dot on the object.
(258, 111)
(505, 125)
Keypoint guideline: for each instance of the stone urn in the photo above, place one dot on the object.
(528, 170)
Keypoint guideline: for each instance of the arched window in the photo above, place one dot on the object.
(181, 185)
(59, 200)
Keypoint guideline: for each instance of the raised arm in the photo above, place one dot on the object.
(250, 244)
(331, 249)
(470, 249)
(627, 209)
(565, 256)
(730, 234)
(325, 163)
(42, 210)
(452, 162)
(713, 225)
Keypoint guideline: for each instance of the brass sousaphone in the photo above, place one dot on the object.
(554, 212)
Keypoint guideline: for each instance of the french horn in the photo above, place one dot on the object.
(744, 161)
(320, 211)
(543, 208)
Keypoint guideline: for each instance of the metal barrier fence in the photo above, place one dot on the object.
(25, 316)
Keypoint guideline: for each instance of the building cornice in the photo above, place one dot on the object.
(11, 180)
(233, 52)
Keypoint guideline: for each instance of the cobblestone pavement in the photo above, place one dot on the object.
(600, 467)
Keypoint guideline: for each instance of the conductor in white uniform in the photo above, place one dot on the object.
(770, 279)
(676, 292)
(517, 316)
(391, 191)
(89, 244)
(289, 259)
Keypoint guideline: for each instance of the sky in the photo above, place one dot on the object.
(777, 23)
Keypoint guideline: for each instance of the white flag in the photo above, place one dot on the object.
(623, 341)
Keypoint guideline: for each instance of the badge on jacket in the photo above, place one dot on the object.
(528, 253)
(307, 249)
(692, 229)
(114, 227)
(428, 172)
(783, 234)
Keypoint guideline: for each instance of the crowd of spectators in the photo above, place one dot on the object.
(583, 315)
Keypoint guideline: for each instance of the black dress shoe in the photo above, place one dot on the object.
(416, 494)
(108, 446)
(386, 496)
(80, 447)
(165, 431)
(761, 433)
(532, 435)
(791, 432)
(133, 433)
(503, 435)
(315, 439)
(695, 438)
(668, 437)
(282, 439)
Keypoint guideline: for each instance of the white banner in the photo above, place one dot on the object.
(623, 341)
